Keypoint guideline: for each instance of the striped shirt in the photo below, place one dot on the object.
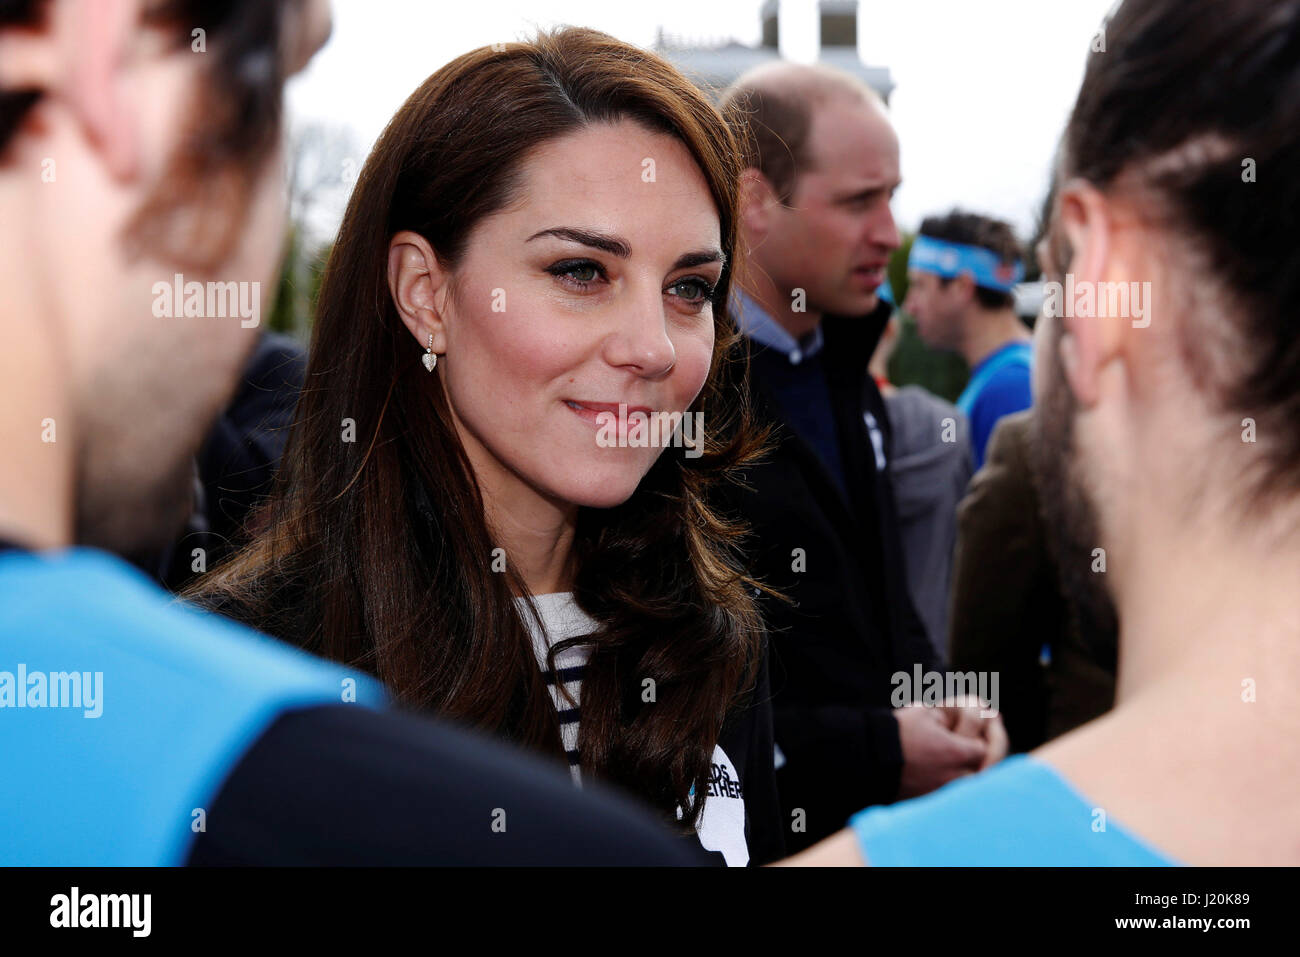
(721, 827)
(561, 619)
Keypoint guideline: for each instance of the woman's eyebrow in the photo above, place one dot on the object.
(702, 258)
(622, 249)
(610, 244)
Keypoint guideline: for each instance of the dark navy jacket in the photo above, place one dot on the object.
(852, 624)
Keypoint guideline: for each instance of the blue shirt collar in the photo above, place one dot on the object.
(1025, 348)
(755, 322)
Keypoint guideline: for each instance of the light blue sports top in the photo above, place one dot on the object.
(123, 711)
(999, 386)
(1018, 814)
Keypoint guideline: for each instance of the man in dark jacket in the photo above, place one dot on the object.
(823, 164)
(236, 466)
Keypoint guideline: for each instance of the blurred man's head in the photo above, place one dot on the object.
(961, 269)
(824, 164)
(139, 141)
(1189, 420)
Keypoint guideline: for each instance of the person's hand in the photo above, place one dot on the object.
(973, 718)
(941, 744)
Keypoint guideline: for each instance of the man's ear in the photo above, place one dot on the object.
(758, 201)
(101, 33)
(1088, 343)
(962, 289)
(419, 286)
(77, 56)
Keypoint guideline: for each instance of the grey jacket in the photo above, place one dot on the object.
(931, 463)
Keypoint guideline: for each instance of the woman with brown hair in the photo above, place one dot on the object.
(485, 500)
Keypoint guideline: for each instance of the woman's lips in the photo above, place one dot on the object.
(597, 413)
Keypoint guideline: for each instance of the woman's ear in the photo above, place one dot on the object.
(419, 285)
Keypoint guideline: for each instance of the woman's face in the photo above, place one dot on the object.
(590, 292)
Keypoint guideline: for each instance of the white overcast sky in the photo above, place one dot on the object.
(982, 87)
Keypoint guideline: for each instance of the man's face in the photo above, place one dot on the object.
(152, 375)
(834, 239)
(1072, 520)
(937, 308)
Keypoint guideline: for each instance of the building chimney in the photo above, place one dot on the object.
(839, 23)
(769, 14)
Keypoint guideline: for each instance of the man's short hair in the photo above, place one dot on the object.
(971, 229)
(770, 109)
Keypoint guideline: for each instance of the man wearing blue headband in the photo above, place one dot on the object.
(961, 272)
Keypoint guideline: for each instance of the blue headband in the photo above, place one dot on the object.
(948, 259)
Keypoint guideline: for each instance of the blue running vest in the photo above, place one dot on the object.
(183, 695)
(1021, 813)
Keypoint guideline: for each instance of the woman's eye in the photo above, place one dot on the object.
(578, 272)
(693, 290)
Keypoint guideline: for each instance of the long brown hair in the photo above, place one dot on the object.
(377, 552)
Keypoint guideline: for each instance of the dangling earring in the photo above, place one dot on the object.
(429, 359)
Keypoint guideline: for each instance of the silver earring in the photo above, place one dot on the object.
(429, 359)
